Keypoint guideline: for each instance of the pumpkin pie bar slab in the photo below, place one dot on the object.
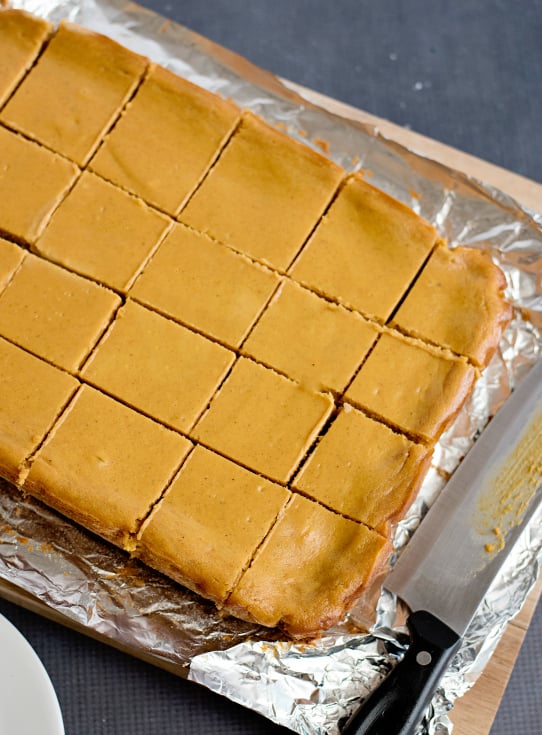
(165, 140)
(54, 313)
(364, 470)
(21, 37)
(158, 366)
(204, 531)
(32, 395)
(264, 195)
(75, 92)
(222, 293)
(11, 257)
(104, 465)
(458, 302)
(311, 340)
(25, 209)
(262, 420)
(366, 250)
(102, 232)
(309, 569)
(416, 389)
(248, 263)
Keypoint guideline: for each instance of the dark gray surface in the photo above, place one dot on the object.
(466, 73)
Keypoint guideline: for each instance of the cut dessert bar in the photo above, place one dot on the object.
(222, 293)
(11, 257)
(157, 366)
(21, 38)
(458, 302)
(309, 570)
(102, 232)
(364, 470)
(264, 195)
(212, 518)
(75, 92)
(104, 465)
(25, 209)
(54, 313)
(166, 139)
(32, 394)
(417, 390)
(312, 340)
(366, 250)
(262, 420)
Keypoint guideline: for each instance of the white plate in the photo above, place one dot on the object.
(28, 703)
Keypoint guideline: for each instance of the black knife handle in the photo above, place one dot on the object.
(399, 703)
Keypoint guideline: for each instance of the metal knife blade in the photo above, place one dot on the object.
(454, 556)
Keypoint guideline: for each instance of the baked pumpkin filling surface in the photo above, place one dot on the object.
(24, 208)
(166, 139)
(102, 232)
(75, 92)
(223, 353)
(21, 37)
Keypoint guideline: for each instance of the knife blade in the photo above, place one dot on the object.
(453, 557)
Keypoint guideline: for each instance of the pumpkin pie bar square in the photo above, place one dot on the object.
(104, 465)
(222, 293)
(32, 395)
(264, 195)
(366, 251)
(11, 257)
(166, 139)
(205, 529)
(54, 313)
(21, 37)
(158, 366)
(414, 388)
(75, 92)
(311, 340)
(457, 302)
(364, 470)
(262, 420)
(33, 181)
(309, 569)
(102, 232)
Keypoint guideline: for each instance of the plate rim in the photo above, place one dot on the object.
(36, 687)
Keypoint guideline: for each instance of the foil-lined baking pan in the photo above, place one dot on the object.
(309, 687)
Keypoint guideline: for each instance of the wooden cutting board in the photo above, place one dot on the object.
(474, 713)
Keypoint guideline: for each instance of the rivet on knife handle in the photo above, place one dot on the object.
(398, 705)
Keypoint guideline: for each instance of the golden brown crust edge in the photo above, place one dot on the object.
(90, 523)
(423, 462)
(162, 565)
(311, 625)
(499, 307)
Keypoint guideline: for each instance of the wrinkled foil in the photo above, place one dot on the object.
(310, 687)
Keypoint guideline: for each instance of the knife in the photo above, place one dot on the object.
(450, 562)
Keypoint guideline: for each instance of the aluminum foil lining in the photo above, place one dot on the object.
(310, 687)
